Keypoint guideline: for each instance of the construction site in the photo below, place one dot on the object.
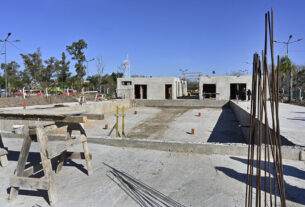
(189, 141)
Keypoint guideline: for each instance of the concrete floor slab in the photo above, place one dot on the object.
(175, 124)
(191, 179)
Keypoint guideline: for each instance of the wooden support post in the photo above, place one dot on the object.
(21, 161)
(117, 121)
(63, 155)
(86, 152)
(123, 121)
(3, 153)
(46, 164)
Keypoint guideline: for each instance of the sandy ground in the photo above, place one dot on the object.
(190, 179)
(175, 124)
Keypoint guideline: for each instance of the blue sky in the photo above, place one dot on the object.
(160, 36)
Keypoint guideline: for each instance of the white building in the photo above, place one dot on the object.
(223, 87)
(151, 88)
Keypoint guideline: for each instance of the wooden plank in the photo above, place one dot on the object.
(112, 130)
(3, 160)
(94, 116)
(61, 147)
(23, 156)
(46, 163)
(77, 155)
(29, 183)
(44, 117)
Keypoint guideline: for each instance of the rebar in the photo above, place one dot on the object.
(260, 134)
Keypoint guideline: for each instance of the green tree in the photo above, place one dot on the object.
(63, 73)
(93, 82)
(12, 69)
(48, 71)
(287, 67)
(33, 65)
(13, 78)
(76, 50)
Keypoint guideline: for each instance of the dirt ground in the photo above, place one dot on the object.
(35, 100)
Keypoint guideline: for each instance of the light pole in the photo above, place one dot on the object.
(288, 42)
(4, 42)
(87, 61)
(290, 70)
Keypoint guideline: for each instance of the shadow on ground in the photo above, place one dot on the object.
(227, 128)
(293, 193)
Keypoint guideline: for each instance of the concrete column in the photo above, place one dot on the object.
(200, 90)
(141, 92)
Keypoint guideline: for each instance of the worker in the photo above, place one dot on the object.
(249, 94)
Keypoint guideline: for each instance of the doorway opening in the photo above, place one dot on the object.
(140, 91)
(209, 91)
(238, 90)
(168, 91)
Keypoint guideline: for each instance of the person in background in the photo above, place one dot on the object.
(244, 94)
(249, 94)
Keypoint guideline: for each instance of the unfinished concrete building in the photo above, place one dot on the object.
(223, 87)
(151, 88)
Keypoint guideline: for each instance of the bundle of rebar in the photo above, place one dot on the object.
(264, 151)
(141, 193)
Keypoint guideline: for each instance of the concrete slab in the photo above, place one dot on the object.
(175, 124)
(191, 179)
(292, 121)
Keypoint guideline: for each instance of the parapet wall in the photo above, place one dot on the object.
(193, 103)
(243, 118)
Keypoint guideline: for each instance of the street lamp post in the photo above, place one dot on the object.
(288, 42)
(5, 69)
(290, 71)
(87, 61)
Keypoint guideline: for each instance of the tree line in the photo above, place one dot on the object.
(39, 73)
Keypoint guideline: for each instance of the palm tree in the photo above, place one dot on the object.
(286, 66)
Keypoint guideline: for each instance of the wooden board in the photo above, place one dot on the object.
(29, 183)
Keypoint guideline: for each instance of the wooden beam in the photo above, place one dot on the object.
(94, 116)
(61, 147)
(29, 183)
(77, 155)
(44, 117)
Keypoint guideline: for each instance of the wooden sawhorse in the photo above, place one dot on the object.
(49, 155)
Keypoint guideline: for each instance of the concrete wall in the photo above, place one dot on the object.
(243, 118)
(103, 107)
(223, 84)
(155, 87)
(180, 103)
